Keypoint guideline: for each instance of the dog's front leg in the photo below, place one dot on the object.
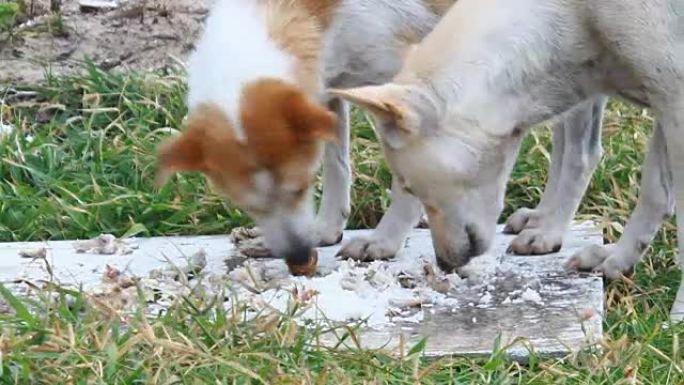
(388, 237)
(656, 202)
(672, 124)
(526, 218)
(577, 149)
(335, 206)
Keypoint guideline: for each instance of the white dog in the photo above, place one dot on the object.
(255, 129)
(257, 125)
(452, 120)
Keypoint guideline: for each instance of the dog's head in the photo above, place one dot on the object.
(269, 171)
(457, 170)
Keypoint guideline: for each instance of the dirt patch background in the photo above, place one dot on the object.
(135, 34)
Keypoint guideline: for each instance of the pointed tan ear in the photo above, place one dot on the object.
(371, 98)
(387, 102)
(313, 120)
(181, 153)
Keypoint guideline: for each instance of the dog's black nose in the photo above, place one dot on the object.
(299, 255)
(298, 265)
(477, 244)
(451, 259)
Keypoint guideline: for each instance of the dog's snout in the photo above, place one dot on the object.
(299, 264)
(477, 244)
(301, 258)
(452, 258)
(289, 237)
(298, 254)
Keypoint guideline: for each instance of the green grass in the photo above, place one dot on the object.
(8, 14)
(82, 162)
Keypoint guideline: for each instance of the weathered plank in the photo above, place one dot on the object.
(568, 318)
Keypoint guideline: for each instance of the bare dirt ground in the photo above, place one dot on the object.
(133, 35)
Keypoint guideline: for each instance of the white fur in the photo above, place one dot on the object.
(576, 153)
(491, 70)
(363, 47)
(364, 44)
(234, 50)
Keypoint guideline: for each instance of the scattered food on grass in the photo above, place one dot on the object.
(105, 244)
(196, 264)
(249, 243)
(380, 292)
(530, 295)
(438, 283)
(111, 274)
(6, 129)
(241, 234)
(353, 291)
(40, 253)
(160, 289)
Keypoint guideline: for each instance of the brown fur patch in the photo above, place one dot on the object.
(297, 28)
(207, 145)
(322, 10)
(282, 124)
(284, 131)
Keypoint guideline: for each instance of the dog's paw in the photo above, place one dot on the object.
(603, 259)
(522, 219)
(536, 242)
(367, 249)
(328, 235)
(330, 239)
(588, 258)
(242, 234)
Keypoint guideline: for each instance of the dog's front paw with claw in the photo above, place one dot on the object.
(327, 234)
(522, 219)
(369, 249)
(610, 260)
(537, 242)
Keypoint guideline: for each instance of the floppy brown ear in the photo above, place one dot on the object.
(181, 153)
(314, 121)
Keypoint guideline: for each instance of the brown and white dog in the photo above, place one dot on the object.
(258, 128)
(452, 120)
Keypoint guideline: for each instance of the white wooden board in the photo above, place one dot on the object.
(569, 319)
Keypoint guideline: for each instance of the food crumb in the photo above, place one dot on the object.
(532, 296)
(40, 253)
(486, 299)
(104, 244)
